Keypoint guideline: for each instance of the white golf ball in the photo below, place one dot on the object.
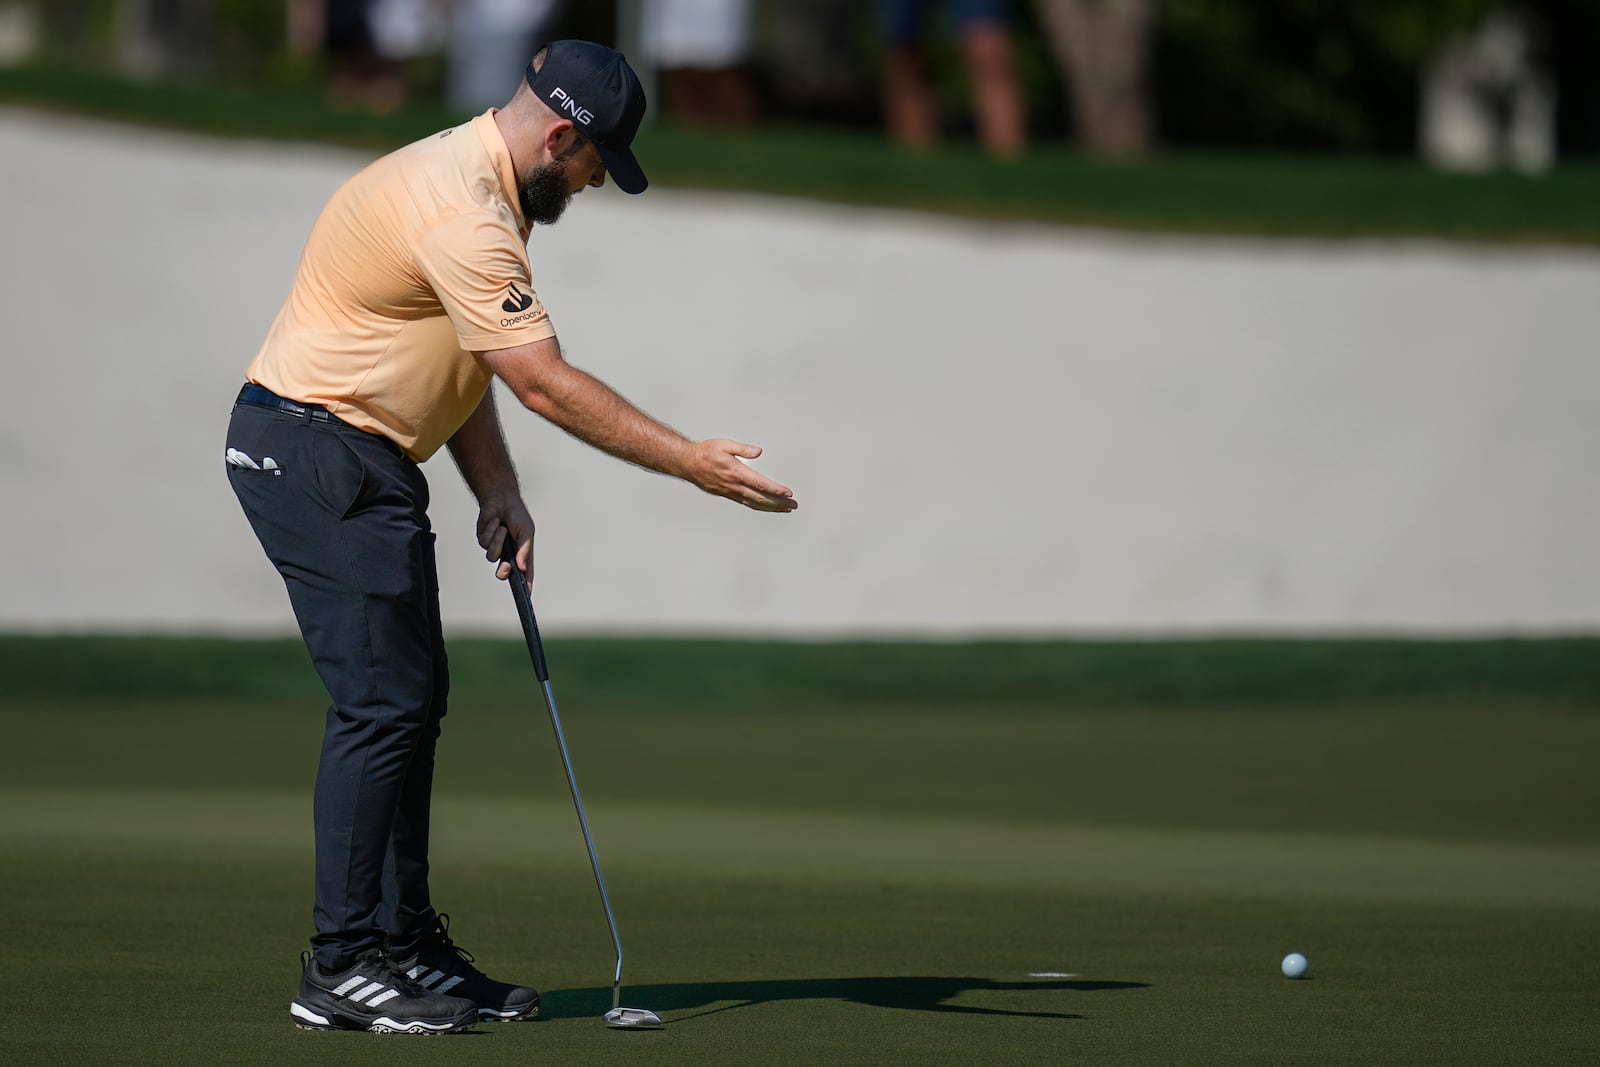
(1294, 965)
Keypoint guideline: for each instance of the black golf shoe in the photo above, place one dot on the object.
(374, 995)
(443, 967)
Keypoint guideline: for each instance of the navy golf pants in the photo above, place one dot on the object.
(342, 514)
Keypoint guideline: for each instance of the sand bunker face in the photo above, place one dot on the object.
(990, 429)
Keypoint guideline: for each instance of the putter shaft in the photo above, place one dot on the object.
(530, 630)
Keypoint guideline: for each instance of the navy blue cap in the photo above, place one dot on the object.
(594, 87)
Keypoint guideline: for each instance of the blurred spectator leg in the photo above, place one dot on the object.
(403, 31)
(735, 102)
(358, 77)
(701, 49)
(908, 103)
(304, 23)
(489, 45)
(997, 100)
(910, 109)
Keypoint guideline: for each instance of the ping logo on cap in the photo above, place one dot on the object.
(612, 101)
(564, 102)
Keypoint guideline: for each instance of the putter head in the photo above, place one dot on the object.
(632, 1018)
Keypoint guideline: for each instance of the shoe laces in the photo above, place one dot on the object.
(394, 972)
(441, 933)
(442, 941)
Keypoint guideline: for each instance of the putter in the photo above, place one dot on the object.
(618, 1016)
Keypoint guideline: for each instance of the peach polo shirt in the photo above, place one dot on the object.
(414, 265)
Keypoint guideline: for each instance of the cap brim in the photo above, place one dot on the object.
(623, 168)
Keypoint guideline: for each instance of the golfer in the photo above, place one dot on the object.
(414, 292)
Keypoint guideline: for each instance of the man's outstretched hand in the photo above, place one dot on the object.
(717, 466)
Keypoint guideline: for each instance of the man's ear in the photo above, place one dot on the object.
(558, 136)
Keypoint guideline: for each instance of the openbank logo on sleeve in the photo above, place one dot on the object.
(516, 300)
(520, 307)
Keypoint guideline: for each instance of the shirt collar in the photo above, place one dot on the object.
(500, 156)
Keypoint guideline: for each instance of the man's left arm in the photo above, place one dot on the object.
(479, 450)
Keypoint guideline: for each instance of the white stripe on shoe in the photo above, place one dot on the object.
(427, 983)
(368, 988)
(366, 991)
(445, 987)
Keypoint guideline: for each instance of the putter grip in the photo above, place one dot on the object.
(530, 624)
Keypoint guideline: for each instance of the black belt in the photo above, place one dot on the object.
(261, 397)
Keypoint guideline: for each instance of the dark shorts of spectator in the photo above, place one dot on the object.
(903, 19)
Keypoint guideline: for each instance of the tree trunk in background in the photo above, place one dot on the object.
(1102, 48)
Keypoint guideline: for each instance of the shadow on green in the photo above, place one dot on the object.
(899, 992)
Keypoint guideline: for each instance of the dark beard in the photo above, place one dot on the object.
(544, 194)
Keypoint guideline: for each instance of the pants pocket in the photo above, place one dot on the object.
(339, 474)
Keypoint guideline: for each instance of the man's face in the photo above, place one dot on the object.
(550, 187)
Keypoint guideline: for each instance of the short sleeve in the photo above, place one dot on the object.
(478, 268)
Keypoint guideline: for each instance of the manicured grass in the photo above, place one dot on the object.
(819, 855)
(804, 970)
(1277, 195)
(737, 676)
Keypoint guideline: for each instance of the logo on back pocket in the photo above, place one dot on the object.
(517, 301)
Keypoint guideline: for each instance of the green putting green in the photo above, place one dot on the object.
(859, 854)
